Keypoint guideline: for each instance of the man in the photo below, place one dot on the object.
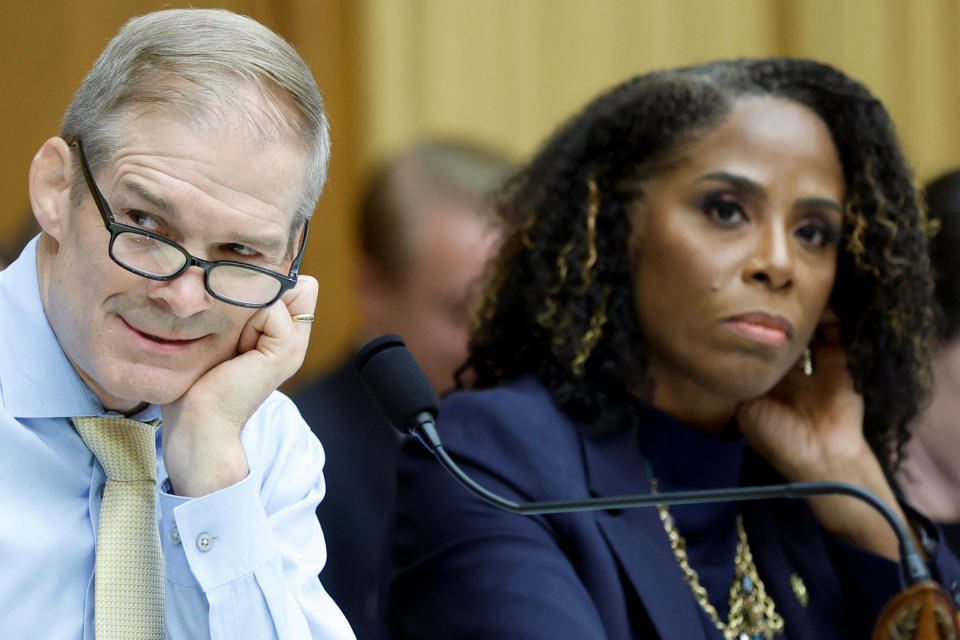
(426, 232)
(163, 286)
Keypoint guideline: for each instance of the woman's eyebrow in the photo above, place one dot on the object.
(821, 203)
(748, 186)
(741, 183)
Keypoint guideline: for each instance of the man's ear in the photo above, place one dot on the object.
(51, 178)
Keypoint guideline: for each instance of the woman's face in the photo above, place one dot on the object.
(734, 253)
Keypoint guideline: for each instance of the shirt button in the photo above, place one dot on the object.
(175, 535)
(204, 542)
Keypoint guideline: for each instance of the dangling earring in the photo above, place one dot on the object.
(806, 361)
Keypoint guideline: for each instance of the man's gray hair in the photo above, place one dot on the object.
(449, 171)
(203, 64)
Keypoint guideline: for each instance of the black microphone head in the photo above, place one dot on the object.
(395, 380)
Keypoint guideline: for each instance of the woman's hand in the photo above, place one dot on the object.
(810, 429)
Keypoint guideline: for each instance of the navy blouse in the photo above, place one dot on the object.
(683, 458)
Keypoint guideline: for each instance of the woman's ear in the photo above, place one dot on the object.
(51, 178)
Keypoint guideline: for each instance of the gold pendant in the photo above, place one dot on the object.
(752, 614)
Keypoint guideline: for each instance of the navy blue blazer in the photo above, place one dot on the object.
(456, 567)
(361, 452)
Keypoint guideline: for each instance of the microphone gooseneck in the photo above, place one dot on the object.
(400, 388)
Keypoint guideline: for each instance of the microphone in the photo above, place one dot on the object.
(398, 385)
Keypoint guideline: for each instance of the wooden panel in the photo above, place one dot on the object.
(508, 72)
(323, 31)
(908, 54)
(45, 50)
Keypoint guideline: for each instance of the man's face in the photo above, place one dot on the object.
(220, 193)
(430, 306)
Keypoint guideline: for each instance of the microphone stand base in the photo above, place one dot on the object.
(922, 612)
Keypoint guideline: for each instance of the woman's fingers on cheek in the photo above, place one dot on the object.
(828, 329)
(829, 333)
(829, 356)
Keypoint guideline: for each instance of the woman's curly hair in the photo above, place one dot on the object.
(559, 298)
(942, 197)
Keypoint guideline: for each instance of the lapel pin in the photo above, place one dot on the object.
(799, 589)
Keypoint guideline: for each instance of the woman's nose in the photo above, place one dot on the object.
(771, 261)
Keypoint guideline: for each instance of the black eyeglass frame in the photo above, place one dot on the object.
(116, 228)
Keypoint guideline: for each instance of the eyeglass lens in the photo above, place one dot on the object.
(152, 257)
(148, 255)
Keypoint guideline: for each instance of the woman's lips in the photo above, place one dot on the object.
(762, 327)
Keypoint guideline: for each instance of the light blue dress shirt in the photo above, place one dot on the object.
(240, 563)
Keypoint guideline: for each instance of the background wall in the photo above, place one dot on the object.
(501, 71)
(510, 70)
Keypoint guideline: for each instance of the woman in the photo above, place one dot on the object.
(683, 254)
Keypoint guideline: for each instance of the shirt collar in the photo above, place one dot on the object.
(36, 379)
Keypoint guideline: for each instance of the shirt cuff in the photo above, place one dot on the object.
(215, 539)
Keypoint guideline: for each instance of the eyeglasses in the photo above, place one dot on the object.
(152, 256)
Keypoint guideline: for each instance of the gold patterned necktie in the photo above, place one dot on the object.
(129, 567)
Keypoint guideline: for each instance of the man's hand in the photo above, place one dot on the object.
(202, 451)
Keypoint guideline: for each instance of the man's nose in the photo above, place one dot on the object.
(186, 295)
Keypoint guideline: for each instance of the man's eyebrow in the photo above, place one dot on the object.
(152, 198)
(266, 245)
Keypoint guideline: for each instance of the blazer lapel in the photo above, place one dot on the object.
(636, 536)
(787, 546)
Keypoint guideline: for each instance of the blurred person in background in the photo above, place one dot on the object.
(930, 476)
(426, 232)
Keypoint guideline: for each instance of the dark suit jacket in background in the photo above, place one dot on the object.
(459, 568)
(361, 454)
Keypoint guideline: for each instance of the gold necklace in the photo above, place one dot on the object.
(752, 612)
